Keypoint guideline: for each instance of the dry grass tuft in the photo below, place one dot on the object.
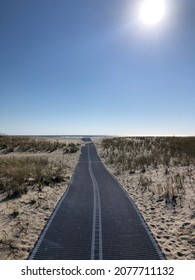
(140, 154)
(17, 175)
(10, 144)
(159, 175)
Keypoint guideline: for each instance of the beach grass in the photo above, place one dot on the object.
(159, 175)
(137, 155)
(142, 152)
(10, 144)
(17, 175)
(34, 174)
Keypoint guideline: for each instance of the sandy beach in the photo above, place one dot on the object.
(23, 218)
(172, 226)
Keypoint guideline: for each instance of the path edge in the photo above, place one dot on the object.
(148, 231)
(52, 216)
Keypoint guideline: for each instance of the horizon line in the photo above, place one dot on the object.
(97, 135)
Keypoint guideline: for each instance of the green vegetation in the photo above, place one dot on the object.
(137, 155)
(141, 152)
(27, 144)
(71, 148)
(17, 175)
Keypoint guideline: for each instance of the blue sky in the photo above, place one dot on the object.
(92, 67)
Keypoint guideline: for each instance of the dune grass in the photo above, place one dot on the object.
(141, 152)
(137, 155)
(18, 174)
(10, 144)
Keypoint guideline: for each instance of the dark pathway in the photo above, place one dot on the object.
(95, 219)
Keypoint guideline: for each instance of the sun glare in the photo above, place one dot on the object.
(152, 11)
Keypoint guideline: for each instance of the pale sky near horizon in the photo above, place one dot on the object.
(92, 67)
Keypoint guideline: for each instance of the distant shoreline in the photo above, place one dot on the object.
(61, 136)
(89, 135)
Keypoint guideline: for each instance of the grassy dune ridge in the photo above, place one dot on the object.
(34, 174)
(17, 174)
(139, 152)
(27, 144)
(159, 175)
(143, 153)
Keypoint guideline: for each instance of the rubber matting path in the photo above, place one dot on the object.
(95, 219)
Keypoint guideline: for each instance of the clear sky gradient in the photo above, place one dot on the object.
(92, 67)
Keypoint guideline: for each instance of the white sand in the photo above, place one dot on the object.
(174, 229)
(19, 234)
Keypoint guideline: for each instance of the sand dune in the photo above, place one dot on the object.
(22, 219)
(172, 226)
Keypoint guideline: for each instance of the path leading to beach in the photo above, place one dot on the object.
(95, 219)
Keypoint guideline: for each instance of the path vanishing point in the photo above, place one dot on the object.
(95, 219)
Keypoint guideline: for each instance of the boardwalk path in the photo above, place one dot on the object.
(95, 219)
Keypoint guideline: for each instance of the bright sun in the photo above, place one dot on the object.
(152, 11)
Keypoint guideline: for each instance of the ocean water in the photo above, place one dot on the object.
(71, 136)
